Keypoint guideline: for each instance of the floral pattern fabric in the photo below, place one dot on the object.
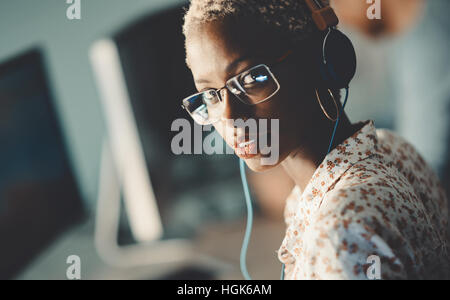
(373, 195)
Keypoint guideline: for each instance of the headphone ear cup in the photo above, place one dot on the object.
(338, 65)
(324, 72)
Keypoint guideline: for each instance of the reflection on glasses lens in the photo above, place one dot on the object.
(205, 108)
(200, 115)
(254, 86)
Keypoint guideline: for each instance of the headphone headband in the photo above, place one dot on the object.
(323, 16)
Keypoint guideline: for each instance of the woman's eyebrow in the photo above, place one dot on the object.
(229, 69)
(201, 81)
(232, 66)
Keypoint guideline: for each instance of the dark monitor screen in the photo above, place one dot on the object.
(39, 197)
(191, 190)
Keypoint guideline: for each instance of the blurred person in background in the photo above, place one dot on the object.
(414, 39)
(372, 194)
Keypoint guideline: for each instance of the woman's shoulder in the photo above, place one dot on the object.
(377, 197)
(382, 186)
(394, 147)
(407, 166)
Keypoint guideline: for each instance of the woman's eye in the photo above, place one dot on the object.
(248, 79)
(210, 97)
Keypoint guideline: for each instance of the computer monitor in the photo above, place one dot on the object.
(39, 197)
(142, 78)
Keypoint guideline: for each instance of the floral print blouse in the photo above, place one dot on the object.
(373, 196)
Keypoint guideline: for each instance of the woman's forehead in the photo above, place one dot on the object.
(218, 44)
(213, 38)
(214, 64)
(210, 54)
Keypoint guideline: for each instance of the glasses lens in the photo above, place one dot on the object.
(205, 108)
(254, 86)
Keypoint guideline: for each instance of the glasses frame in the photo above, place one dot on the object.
(218, 91)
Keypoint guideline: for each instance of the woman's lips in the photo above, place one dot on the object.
(241, 145)
(247, 149)
(246, 146)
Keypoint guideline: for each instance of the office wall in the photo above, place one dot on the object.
(28, 23)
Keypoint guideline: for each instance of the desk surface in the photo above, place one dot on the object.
(222, 242)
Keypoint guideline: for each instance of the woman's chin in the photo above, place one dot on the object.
(256, 164)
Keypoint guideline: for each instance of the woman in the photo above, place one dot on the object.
(371, 197)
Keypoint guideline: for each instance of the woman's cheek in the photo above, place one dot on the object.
(226, 134)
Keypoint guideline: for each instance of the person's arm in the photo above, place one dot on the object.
(353, 250)
(349, 238)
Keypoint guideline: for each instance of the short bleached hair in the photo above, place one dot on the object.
(292, 17)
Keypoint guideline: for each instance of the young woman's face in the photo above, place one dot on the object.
(216, 52)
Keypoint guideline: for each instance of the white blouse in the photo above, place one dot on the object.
(373, 206)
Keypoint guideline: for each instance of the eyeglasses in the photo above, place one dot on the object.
(251, 87)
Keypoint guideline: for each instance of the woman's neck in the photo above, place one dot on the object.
(301, 164)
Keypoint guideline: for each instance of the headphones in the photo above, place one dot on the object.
(337, 63)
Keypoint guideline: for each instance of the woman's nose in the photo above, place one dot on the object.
(234, 109)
